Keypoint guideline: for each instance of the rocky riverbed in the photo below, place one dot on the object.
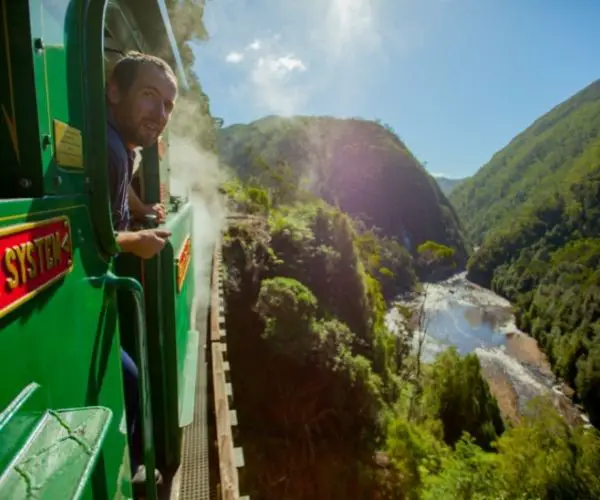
(459, 313)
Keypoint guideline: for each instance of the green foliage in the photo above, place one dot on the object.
(468, 473)
(544, 458)
(434, 257)
(540, 458)
(280, 180)
(386, 260)
(311, 322)
(316, 400)
(456, 394)
(415, 452)
(188, 26)
(246, 199)
(326, 260)
(258, 201)
(435, 251)
(547, 264)
(288, 309)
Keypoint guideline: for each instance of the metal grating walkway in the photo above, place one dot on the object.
(194, 465)
(209, 439)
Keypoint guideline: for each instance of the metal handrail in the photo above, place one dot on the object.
(134, 286)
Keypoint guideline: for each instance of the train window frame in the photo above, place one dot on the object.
(93, 27)
(119, 21)
(122, 30)
(92, 42)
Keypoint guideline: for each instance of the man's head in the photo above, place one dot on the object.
(141, 94)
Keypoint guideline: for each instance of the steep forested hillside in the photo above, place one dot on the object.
(538, 203)
(447, 185)
(333, 405)
(359, 165)
(556, 151)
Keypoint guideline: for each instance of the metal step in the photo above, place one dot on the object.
(58, 457)
(194, 471)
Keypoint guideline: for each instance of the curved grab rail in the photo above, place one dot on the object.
(135, 288)
(89, 41)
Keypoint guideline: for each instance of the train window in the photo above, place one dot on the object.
(122, 28)
(112, 52)
(121, 35)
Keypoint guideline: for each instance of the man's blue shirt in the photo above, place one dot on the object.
(120, 169)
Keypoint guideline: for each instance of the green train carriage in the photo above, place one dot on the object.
(66, 302)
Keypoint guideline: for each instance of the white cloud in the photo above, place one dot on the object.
(278, 67)
(341, 43)
(269, 78)
(272, 84)
(234, 57)
(255, 45)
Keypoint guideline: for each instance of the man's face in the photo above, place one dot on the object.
(143, 113)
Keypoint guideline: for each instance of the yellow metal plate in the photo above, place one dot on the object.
(68, 145)
(183, 262)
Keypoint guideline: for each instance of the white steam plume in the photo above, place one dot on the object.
(196, 173)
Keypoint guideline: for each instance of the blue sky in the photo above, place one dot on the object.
(456, 79)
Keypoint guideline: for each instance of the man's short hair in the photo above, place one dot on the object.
(126, 69)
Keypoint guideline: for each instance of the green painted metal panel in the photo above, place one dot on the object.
(66, 338)
(60, 72)
(18, 420)
(177, 321)
(186, 413)
(59, 457)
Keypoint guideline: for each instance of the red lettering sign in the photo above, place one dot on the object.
(183, 262)
(34, 255)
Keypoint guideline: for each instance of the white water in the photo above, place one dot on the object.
(473, 319)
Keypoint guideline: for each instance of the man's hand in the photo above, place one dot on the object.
(139, 209)
(145, 243)
(157, 209)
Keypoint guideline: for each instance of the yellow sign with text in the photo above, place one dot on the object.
(68, 145)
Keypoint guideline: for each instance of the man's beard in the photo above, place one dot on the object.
(137, 136)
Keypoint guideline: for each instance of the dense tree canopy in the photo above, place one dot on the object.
(331, 404)
(547, 263)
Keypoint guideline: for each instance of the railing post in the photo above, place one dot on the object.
(135, 288)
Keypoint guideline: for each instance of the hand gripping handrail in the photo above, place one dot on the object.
(136, 290)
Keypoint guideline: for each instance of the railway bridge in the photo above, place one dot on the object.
(212, 457)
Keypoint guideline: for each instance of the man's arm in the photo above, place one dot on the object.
(145, 244)
(127, 240)
(136, 205)
(139, 208)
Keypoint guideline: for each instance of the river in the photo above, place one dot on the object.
(476, 320)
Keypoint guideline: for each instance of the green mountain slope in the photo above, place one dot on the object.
(447, 185)
(359, 165)
(538, 205)
(553, 153)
